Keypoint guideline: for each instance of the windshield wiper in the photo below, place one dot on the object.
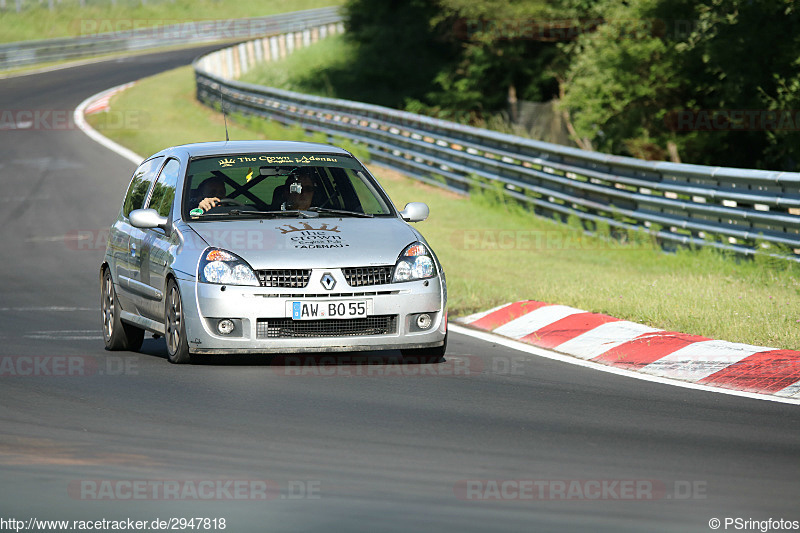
(240, 212)
(340, 212)
(276, 212)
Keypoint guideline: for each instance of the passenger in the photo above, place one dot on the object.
(299, 190)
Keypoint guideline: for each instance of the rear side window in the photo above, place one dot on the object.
(164, 189)
(140, 184)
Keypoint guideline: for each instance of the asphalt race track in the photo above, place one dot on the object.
(491, 440)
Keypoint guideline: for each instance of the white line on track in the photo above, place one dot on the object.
(54, 68)
(541, 352)
(80, 121)
(52, 308)
(65, 335)
(58, 238)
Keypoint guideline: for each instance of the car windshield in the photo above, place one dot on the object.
(280, 185)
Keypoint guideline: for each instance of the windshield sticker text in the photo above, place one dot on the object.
(317, 239)
(278, 159)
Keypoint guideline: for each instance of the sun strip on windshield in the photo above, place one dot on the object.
(208, 164)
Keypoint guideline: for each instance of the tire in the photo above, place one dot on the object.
(426, 355)
(117, 334)
(175, 326)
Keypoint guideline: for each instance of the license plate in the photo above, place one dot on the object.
(316, 310)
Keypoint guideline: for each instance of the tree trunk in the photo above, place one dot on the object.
(513, 106)
(672, 149)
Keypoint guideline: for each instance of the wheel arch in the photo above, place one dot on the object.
(169, 277)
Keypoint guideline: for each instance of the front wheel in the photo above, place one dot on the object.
(426, 355)
(117, 335)
(175, 327)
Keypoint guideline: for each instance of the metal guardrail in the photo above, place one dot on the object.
(733, 209)
(25, 53)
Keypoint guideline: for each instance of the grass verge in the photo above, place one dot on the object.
(494, 252)
(69, 19)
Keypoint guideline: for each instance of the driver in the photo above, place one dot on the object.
(211, 190)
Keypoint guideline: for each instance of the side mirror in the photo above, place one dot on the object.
(415, 212)
(147, 219)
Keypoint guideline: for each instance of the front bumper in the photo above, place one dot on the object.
(206, 304)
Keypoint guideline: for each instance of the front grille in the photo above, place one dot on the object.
(373, 275)
(290, 279)
(327, 295)
(273, 328)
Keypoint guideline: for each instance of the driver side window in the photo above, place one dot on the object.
(140, 184)
(164, 189)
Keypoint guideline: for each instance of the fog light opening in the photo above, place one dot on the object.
(225, 326)
(424, 321)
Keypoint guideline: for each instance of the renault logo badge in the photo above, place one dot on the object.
(327, 281)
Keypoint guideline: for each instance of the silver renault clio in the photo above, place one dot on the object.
(268, 247)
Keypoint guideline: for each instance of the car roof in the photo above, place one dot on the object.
(243, 147)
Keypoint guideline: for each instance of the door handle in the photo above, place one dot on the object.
(133, 249)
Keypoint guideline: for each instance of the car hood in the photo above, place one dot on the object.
(310, 243)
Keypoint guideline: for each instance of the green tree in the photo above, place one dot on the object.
(504, 49)
(622, 81)
(653, 60)
(743, 55)
(398, 51)
(782, 144)
(452, 58)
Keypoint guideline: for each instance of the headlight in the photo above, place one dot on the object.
(219, 266)
(414, 263)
